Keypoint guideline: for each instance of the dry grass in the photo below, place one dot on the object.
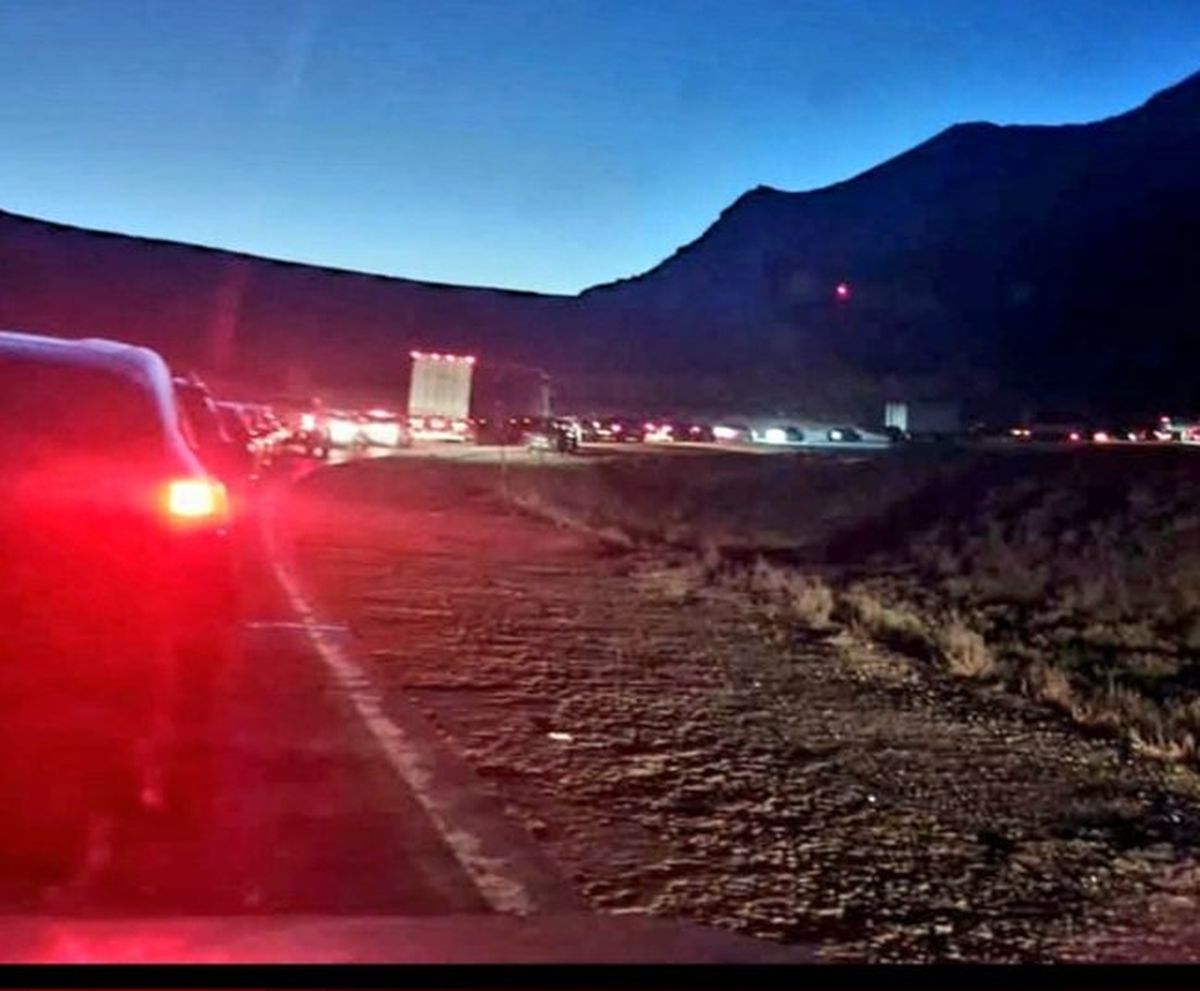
(964, 652)
(892, 625)
(806, 600)
(1050, 685)
(1073, 578)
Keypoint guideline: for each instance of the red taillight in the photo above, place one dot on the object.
(196, 499)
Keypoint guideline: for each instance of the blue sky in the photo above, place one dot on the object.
(536, 144)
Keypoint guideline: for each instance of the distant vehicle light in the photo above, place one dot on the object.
(1101, 437)
(836, 434)
(1074, 436)
(775, 435)
(842, 290)
(725, 433)
(437, 423)
(1131, 436)
(342, 431)
(195, 498)
(308, 421)
(460, 426)
(617, 428)
(383, 434)
(380, 412)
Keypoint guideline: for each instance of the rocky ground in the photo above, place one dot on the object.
(680, 751)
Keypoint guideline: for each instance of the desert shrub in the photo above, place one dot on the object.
(891, 625)
(1049, 684)
(964, 651)
(805, 599)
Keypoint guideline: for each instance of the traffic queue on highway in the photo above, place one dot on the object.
(244, 439)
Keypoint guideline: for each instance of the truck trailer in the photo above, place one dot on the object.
(923, 419)
(439, 396)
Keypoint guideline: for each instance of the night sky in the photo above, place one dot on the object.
(541, 145)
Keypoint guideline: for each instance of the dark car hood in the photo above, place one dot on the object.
(571, 938)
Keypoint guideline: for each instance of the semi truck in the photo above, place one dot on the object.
(923, 419)
(439, 396)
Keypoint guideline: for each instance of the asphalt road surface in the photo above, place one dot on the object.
(308, 816)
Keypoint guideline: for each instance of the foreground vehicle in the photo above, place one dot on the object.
(117, 590)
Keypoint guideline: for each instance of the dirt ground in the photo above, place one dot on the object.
(679, 753)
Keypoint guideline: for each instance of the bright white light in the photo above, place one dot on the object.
(775, 435)
(308, 421)
(836, 435)
(383, 434)
(342, 431)
(1101, 437)
(724, 433)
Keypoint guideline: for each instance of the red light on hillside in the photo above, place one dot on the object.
(842, 290)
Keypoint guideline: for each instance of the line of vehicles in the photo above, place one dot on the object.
(1165, 430)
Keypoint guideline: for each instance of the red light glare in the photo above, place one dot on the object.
(842, 290)
(195, 498)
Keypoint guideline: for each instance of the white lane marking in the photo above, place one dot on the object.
(503, 892)
(279, 624)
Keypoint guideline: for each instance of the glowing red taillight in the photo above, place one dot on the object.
(196, 499)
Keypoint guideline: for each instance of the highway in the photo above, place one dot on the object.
(335, 831)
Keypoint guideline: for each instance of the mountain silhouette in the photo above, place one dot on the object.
(1011, 264)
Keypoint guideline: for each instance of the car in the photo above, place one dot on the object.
(693, 431)
(659, 432)
(382, 428)
(237, 427)
(614, 430)
(118, 590)
(552, 434)
(311, 435)
(732, 433)
(779, 435)
(222, 455)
